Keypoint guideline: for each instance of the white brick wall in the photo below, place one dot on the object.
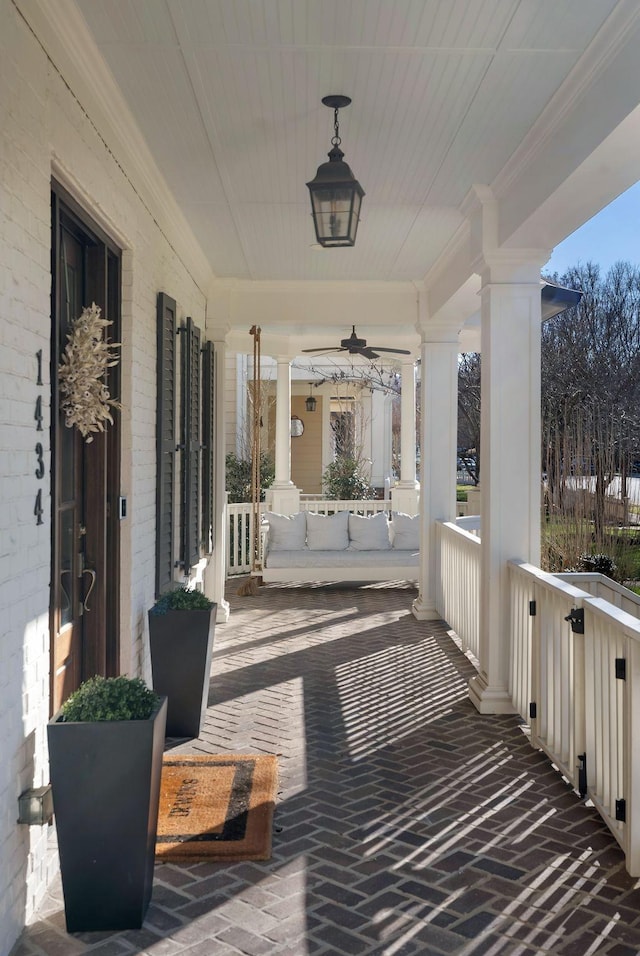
(44, 131)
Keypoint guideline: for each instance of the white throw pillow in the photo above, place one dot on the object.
(405, 531)
(328, 532)
(370, 533)
(286, 532)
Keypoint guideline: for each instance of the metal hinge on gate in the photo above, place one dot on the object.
(577, 620)
(582, 774)
(532, 608)
(621, 810)
(533, 710)
(621, 668)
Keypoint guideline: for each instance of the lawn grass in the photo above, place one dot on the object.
(564, 539)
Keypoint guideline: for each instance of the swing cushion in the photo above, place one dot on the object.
(328, 532)
(405, 531)
(287, 532)
(369, 533)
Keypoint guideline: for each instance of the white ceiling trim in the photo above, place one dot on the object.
(62, 30)
(600, 54)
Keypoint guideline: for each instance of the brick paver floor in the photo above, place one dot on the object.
(406, 822)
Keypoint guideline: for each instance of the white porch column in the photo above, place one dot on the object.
(439, 446)
(283, 496)
(216, 571)
(510, 456)
(404, 496)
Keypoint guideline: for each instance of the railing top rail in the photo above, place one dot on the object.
(548, 580)
(604, 609)
(598, 578)
(467, 522)
(346, 504)
(453, 528)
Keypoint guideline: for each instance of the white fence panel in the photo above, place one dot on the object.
(522, 594)
(458, 590)
(612, 668)
(240, 538)
(547, 665)
(585, 688)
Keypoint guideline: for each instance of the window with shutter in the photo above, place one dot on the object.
(190, 336)
(165, 440)
(208, 446)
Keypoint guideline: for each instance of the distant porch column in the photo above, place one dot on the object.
(439, 410)
(404, 495)
(283, 496)
(510, 456)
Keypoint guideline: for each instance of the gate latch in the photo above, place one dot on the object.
(577, 620)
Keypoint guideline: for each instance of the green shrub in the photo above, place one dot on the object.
(598, 563)
(238, 477)
(110, 698)
(344, 481)
(182, 599)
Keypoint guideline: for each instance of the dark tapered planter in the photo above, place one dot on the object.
(105, 777)
(181, 646)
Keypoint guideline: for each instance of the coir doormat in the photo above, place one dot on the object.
(216, 808)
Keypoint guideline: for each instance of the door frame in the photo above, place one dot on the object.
(103, 267)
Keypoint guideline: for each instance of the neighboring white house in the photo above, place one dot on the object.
(153, 160)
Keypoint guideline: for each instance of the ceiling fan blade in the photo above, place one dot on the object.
(328, 348)
(368, 352)
(381, 348)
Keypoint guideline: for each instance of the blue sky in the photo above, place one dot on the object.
(611, 235)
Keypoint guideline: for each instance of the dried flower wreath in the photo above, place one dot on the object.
(85, 397)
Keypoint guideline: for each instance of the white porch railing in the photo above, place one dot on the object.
(574, 673)
(612, 716)
(547, 665)
(458, 591)
(240, 538)
(327, 506)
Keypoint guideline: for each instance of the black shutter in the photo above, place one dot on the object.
(208, 446)
(190, 445)
(165, 440)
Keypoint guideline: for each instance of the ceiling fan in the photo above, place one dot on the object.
(357, 346)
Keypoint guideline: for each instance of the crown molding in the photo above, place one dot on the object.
(63, 33)
(599, 55)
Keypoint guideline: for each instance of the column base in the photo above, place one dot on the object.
(404, 498)
(284, 500)
(223, 611)
(487, 700)
(424, 610)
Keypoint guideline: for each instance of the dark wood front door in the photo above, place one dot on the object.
(84, 611)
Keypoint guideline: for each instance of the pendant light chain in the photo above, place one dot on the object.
(336, 127)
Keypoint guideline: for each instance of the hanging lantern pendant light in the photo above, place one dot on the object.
(310, 401)
(336, 195)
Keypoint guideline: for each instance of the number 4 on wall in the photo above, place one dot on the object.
(38, 507)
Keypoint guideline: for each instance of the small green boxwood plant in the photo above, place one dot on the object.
(182, 599)
(110, 698)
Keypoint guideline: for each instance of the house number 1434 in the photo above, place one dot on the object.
(37, 510)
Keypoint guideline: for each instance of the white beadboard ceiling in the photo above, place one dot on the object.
(227, 95)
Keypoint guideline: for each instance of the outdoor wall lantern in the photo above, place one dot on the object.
(310, 401)
(336, 195)
(297, 426)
